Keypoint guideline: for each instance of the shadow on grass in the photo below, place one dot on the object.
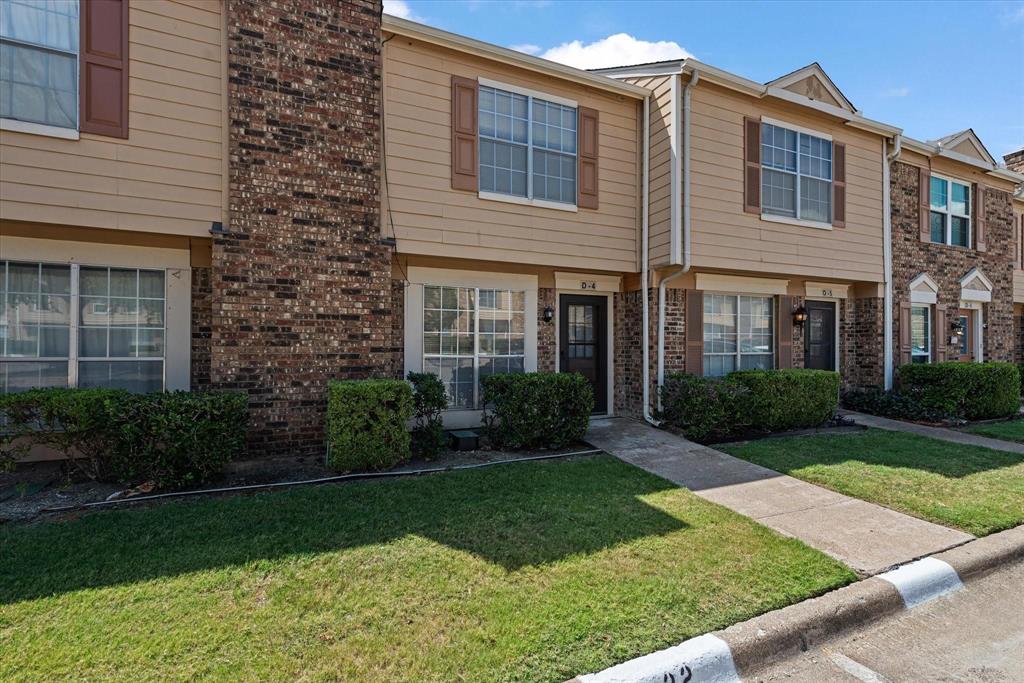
(876, 447)
(513, 516)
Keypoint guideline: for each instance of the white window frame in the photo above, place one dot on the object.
(177, 290)
(929, 334)
(738, 355)
(458, 418)
(74, 356)
(529, 199)
(45, 129)
(948, 213)
(797, 219)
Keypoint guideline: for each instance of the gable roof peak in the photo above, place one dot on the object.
(955, 139)
(822, 87)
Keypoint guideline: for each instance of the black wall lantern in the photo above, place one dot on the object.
(958, 327)
(800, 316)
(549, 314)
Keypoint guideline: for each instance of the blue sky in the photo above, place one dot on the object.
(931, 68)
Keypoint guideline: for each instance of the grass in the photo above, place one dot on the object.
(1011, 430)
(530, 572)
(975, 489)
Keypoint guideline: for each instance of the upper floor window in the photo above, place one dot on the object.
(527, 146)
(796, 174)
(39, 61)
(950, 204)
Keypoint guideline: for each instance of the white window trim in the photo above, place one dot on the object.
(739, 354)
(34, 128)
(30, 128)
(948, 212)
(796, 220)
(177, 289)
(519, 90)
(929, 334)
(460, 418)
(526, 201)
(529, 200)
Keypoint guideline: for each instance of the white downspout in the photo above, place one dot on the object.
(680, 129)
(887, 350)
(645, 260)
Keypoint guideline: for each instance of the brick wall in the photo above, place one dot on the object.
(202, 320)
(628, 334)
(546, 359)
(861, 334)
(301, 287)
(947, 265)
(1015, 161)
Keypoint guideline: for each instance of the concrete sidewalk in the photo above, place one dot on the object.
(868, 538)
(941, 433)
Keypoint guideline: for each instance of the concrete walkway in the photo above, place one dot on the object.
(941, 433)
(866, 537)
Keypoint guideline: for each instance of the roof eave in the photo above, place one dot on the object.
(412, 29)
(932, 150)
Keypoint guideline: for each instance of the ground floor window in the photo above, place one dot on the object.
(738, 333)
(920, 334)
(70, 325)
(470, 333)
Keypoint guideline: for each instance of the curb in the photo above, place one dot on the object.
(739, 650)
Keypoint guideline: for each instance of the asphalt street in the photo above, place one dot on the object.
(975, 634)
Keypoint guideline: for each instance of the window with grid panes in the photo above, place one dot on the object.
(796, 174)
(469, 333)
(738, 333)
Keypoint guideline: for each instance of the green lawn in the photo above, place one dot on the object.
(534, 571)
(974, 489)
(1012, 430)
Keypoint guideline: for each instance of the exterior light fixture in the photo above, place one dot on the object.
(800, 316)
(958, 327)
(549, 314)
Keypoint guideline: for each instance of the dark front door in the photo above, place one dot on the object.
(582, 342)
(820, 342)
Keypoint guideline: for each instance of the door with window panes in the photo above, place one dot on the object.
(965, 337)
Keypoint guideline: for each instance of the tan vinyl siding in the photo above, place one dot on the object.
(659, 182)
(168, 176)
(724, 237)
(429, 218)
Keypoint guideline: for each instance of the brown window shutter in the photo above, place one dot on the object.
(905, 339)
(751, 165)
(465, 113)
(838, 185)
(980, 225)
(587, 158)
(694, 361)
(784, 332)
(940, 333)
(103, 63)
(924, 210)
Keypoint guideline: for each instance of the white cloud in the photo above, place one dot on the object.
(620, 49)
(902, 91)
(400, 9)
(528, 48)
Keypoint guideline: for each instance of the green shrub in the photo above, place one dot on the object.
(75, 422)
(789, 399)
(704, 407)
(970, 391)
(428, 402)
(367, 423)
(175, 439)
(877, 401)
(537, 409)
(171, 439)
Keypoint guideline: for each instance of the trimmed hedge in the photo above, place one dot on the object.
(704, 407)
(970, 391)
(877, 401)
(748, 401)
(367, 423)
(170, 440)
(789, 399)
(429, 400)
(537, 409)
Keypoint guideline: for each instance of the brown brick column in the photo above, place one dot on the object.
(301, 284)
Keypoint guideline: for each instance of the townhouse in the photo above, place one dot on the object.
(265, 196)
